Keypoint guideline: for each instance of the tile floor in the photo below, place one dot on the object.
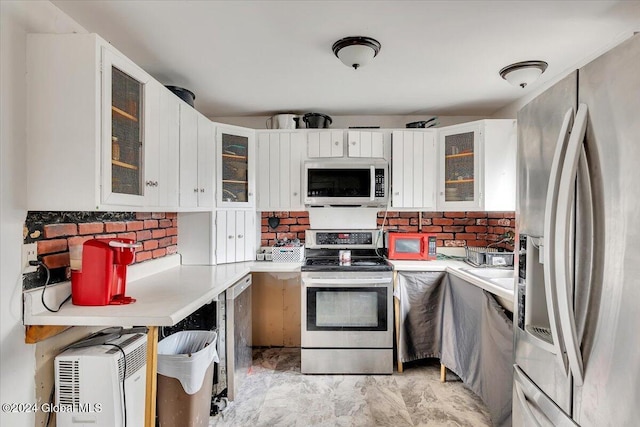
(276, 394)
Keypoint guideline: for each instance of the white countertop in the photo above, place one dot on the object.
(165, 293)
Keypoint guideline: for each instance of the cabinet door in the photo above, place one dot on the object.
(460, 159)
(279, 176)
(325, 144)
(188, 156)
(123, 131)
(236, 179)
(225, 237)
(167, 183)
(413, 174)
(365, 144)
(206, 160)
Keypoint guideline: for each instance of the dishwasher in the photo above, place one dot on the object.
(234, 316)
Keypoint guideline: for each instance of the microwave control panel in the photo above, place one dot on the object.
(379, 183)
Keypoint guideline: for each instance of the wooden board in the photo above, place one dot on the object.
(152, 377)
(276, 310)
(37, 333)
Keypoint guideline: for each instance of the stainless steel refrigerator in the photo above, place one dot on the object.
(577, 340)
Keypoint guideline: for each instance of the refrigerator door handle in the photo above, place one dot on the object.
(549, 235)
(563, 274)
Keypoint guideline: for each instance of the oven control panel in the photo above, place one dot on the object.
(342, 239)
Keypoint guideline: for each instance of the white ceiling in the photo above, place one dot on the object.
(249, 58)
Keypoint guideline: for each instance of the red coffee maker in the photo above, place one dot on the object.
(103, 278)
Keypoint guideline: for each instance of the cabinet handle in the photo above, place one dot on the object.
(195, 190)
(240, 236)
(397, 193)
(149, 183)
(230, 237)
(202, 190)
(155, 183)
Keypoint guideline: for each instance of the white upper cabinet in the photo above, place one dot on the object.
(279, 171)
(365, 144)
(235, 162)
(196, 159)
(477, 166)
(163, 148)
(326, 143)
(413, 169)
(87, 125)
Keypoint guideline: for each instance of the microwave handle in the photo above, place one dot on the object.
(372, 192)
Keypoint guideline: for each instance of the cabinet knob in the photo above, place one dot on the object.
(295, 193)
(202, 190)
(397, 193)
(149, 183)
(240, 236)
(353, 143)
(250, 194)
(336, 143)
(195, 190)
(155, 183)
(230, 237)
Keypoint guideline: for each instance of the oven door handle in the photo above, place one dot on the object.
(347, 282)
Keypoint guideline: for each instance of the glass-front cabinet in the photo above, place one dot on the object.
(459, 167)
(235, 167)
(123, 131)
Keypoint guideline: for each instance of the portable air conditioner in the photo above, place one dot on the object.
(89, 383)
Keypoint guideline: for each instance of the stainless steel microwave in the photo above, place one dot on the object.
(352, 182)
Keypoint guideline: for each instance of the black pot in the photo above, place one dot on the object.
(316, 120)
(182, 93)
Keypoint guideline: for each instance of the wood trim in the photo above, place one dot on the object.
(152, 377)
(124, 165)
(396, 315)
(37, 333)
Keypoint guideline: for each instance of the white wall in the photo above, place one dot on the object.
(344, 122)
(17, 359)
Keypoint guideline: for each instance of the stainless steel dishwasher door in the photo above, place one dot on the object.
(239, 351)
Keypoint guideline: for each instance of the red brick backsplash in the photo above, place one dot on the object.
(453, 229)
(54, 234)
(292, 226)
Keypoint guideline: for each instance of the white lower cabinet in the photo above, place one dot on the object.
(235, 236)
(279, 171)
(413, 169)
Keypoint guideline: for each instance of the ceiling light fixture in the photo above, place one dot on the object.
(523, 73)
(356, 51)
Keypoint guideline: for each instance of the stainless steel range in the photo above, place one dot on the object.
(346, 304)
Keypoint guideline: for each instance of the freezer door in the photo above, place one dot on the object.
(609, 396)
(532, 408)
(539, 124)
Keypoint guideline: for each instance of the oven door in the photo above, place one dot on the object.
(347, 310)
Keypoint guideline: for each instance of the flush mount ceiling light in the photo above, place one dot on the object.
(356, 51)
(523, 73)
